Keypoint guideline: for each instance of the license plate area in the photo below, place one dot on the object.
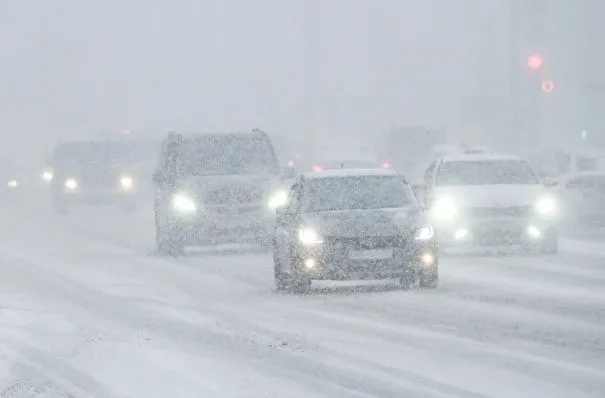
(371, 254)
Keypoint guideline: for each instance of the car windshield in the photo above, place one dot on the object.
(357, 193)
(485, 172)
(90, 154)
(227, 154)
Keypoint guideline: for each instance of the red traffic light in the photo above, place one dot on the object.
(534, 61)
(548, 86)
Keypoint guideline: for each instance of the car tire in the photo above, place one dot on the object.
(299, 282)
(167, 243)
(281, 279)
(430, 280)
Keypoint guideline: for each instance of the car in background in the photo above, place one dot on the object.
(583, 196)
(491, 200)
(216, 188)
(92, 173)
(350, 225)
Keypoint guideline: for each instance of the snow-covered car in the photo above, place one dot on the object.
(583, 197)
(216, 188)
(349, 164)
(92, 173)
(352, 225)
(491, 200)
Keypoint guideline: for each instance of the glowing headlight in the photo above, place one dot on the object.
(47, 176)
(308, 236)
(183, 203)
(13, 184)
(278, 199)
(71, 183)
(546, 206)
(425, 233)
(126, 182)
(444, 209)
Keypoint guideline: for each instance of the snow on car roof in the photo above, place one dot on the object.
(349, 173)
(478, 157)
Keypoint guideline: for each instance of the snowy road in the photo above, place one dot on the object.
(86, 309)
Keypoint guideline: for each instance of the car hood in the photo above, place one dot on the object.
(365, 223)
(231, 189)
(493, 195)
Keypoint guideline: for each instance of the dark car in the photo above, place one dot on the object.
(90, 173)
(216, 188)
(353, 224)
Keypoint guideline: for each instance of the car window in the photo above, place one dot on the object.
(356, 193)
(229, 154)
(485, 172)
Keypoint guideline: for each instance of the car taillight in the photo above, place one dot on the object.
(290, 163)
(385, 165)
(317, 168)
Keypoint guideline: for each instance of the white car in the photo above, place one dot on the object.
(490, 200)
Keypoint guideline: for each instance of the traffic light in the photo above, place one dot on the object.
(534, 61)
(548, 86)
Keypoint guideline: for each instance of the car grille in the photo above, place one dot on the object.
(362, 243)
(232, 196)
(98, 179)
(517, 211)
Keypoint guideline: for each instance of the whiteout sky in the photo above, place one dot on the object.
(83, 66)
(79, 67)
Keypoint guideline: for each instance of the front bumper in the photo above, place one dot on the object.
(224, 224)
(94, 197)
(495, 231)
(345, 259)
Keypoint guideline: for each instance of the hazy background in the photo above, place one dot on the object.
(336, 68)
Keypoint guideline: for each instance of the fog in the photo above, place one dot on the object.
(332, 68)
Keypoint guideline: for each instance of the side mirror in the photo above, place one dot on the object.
(288, 173)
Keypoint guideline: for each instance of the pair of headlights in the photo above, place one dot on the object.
(126, 182)
(309, 236)
(184, 203)
(446, 208)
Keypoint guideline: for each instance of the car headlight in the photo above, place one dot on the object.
(13, 184)
(308, 236)
(183, 203)
(47, 176)
(71, 183)
(546, 206)
(444, 209)
(425, 233)
(278, 199)
(126, 182)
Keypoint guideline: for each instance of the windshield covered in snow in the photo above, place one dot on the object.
(91, 154)
(227, 154)
(486, 172)
(357, 193)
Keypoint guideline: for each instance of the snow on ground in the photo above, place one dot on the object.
(87, 309)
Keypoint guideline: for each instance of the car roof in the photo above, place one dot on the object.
(342, 173)
(478, 157)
